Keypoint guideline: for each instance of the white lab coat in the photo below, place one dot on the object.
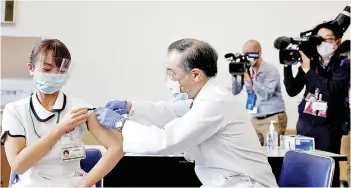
(216, 132)
(50, 171)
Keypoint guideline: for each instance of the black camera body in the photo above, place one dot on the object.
(289, 47)
(238, 63)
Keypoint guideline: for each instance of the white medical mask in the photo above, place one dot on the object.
(325, 49)
(49, 83)
(174, 87)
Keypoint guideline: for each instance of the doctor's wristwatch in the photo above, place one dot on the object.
(120, 124)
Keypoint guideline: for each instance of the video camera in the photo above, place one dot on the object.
(289, 47)
(240, 62)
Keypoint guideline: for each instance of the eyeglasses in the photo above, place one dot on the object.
(171, 75)
(329, 39)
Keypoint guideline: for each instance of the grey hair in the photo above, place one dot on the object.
(196, 54)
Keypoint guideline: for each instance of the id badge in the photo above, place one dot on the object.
(323, 113)
(309, 110)
(253, 111)
(251, 99)
(310, 99)
(322, 108)
(73, 152)
(320, 105)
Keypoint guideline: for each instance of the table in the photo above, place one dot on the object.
(174, 171)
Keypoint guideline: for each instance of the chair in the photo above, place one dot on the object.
(306, 170)
(92, 157)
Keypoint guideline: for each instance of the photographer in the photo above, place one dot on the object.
(264, 93)
(326, 80)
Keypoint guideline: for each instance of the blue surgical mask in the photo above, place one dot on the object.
(49, 83)
(174, 87)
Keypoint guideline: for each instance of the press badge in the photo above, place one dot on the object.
(319, 105)
(250, 104)
(310, 100)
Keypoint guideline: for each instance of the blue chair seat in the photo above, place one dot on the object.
(306, 170)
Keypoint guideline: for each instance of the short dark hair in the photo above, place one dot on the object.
(337, 31)
(66, 151)
(43, 47)
(196, 54)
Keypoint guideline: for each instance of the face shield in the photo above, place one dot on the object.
(54, 65)
(51, 74)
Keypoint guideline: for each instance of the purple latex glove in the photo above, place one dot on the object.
(107, 117)
(118, 106)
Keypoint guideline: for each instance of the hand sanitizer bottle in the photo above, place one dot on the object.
(272, 137)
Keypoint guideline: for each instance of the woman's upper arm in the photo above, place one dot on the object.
(13, 146)
(13, 133)
(105, 136)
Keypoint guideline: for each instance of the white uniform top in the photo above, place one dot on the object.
(19, 120)
(216, 130)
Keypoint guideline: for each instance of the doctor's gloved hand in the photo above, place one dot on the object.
(107, 117)
(121, 107)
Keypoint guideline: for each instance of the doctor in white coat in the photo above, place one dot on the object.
(215, 132)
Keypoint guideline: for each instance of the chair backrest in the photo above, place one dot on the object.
(92, 157)
(306, 170)
(13, 178)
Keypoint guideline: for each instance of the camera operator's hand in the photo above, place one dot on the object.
(306, 62)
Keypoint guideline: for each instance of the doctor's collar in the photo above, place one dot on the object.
(202, 93)
(43, 115)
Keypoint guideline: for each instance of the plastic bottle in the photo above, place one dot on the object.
(272, 137)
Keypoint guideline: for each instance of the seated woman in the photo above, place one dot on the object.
(43, 133)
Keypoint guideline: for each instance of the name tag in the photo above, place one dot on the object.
(70, 153)
(319, 106)
(253, 111)
(251, 100)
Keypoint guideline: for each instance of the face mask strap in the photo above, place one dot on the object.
(187, 74)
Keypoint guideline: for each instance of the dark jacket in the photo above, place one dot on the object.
(332, 82)
(346, 125)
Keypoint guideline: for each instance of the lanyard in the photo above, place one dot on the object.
(253, 78)
(253, 74)
(31, 117)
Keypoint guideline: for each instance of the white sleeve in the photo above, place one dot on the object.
(200, 123)
(11, 124)
(158, 113)
(80, 103)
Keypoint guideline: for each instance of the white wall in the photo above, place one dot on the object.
(119, 48)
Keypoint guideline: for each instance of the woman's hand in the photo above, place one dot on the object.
(73, 119)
